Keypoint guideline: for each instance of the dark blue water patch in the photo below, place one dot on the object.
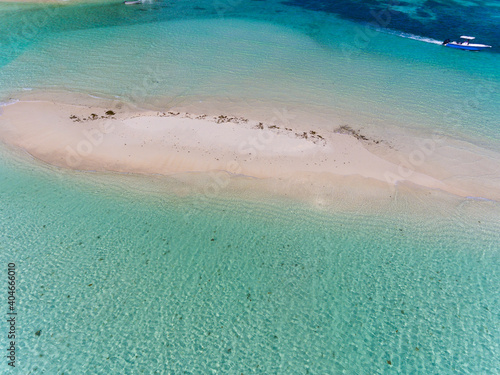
(422, 13)
(437, 20)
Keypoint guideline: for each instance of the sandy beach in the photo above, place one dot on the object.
(147, 142)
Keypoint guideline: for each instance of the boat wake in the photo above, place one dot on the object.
(412, 36)
(422, 38)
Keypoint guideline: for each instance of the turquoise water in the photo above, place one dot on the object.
(138, 280)
(132, 274)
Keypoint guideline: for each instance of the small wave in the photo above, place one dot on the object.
(480, 199)
(4, 104)
(95, 97)
(9, 102)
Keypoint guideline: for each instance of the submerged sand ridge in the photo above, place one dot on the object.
(99, 139)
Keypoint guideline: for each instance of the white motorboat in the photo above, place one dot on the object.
(465, 44)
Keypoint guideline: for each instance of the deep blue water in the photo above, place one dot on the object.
(434, 19)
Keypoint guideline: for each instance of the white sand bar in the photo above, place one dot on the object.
(168, 143)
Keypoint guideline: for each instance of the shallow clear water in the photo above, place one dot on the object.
(120, 281)
(127, 281)
(129, 274)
